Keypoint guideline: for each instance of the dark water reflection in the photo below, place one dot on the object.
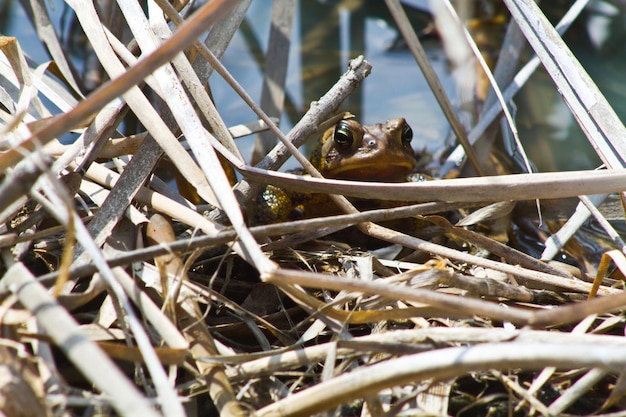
(548, 129)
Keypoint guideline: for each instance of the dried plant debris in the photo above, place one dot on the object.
(138, 278)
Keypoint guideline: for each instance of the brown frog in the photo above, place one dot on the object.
(380, 152)
(349, 151)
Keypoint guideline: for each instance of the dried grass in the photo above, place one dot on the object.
(209, 309)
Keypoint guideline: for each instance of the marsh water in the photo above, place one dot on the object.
(326, 34)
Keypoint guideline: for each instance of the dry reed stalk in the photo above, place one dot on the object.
(328, 324)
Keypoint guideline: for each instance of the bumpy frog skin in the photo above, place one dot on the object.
(379, 152)
(350, 151)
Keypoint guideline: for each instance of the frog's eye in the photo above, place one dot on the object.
(407, 134)
(343, 135)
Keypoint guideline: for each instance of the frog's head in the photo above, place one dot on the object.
(379, 152)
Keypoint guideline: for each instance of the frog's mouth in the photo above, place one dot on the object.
(389, 171)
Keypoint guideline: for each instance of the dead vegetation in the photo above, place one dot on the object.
(120, 296)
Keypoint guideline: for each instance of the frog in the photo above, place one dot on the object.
(380, 152)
